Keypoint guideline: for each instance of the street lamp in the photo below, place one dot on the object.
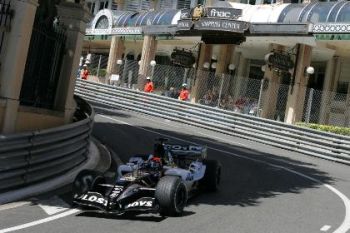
(231, 68)
(213, 65)
(206, 65)
(153, 64)
(309, 70)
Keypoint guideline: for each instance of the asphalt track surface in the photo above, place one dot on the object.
(263, 189)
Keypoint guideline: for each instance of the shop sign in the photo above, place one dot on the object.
(184, 24)
(221, 12)
(182, 57)
(221, 25)
(212, 12)
(280, 61)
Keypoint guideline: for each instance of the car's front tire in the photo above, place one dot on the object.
(171, 194)
(84, 181)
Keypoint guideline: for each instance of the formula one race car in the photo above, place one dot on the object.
(158, 183)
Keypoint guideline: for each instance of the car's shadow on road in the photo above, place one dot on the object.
(130, 216)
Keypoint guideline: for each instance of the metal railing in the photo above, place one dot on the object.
(308, 141)
(31, 157)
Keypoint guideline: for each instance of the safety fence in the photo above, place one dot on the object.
(308, 141)
(230, 91)
(31, 157)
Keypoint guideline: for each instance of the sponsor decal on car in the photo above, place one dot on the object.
(94, 198)
(192, 148)
(116, 191)
(143, 202)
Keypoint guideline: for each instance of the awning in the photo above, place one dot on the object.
(314, 12)
(111, 22)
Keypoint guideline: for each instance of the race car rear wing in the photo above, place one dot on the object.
(188, 151)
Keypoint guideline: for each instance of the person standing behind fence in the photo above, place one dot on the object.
(184, 93)
(149, 85)
(84, 72)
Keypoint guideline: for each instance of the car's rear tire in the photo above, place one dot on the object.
(212, 176)
(84, 181)
(171, 194)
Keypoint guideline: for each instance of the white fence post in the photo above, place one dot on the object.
(309, 105)
(260, 95)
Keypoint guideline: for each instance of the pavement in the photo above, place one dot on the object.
(99, 159)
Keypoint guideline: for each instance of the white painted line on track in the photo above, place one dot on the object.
(41, 221)
(343, 228)
(14, 205)
(53, 205)
(325, 228)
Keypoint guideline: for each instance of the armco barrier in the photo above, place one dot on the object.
(31, 157)
(308, 141)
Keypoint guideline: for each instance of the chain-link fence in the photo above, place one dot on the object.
(258, 97)
(325, 107)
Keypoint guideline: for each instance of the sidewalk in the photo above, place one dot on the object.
(99, 159)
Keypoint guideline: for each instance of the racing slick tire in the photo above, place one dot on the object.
(85, 181)
(212, 176)
(171, 194)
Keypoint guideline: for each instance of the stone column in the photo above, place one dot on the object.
(120, 4)
(75, 17)
(116, 50)
(296, 95)
(225, 55)
(269, 96)
(209, 2)
(115, 53)
(13, 60)
(154, 4)
(199, 87)
(149, 48)
(328, 84)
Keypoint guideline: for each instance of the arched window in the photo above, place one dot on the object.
(102, 23)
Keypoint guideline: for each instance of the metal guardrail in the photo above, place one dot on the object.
(31, 157)
(308, 141)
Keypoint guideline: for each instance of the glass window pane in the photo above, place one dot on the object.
(290, 13)
(344, 14)
(166, 4)
(334, 11)
(319, 13)
(165, 19)
(183, 4)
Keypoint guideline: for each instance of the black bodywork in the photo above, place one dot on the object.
(132, 192)
(145, 187)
